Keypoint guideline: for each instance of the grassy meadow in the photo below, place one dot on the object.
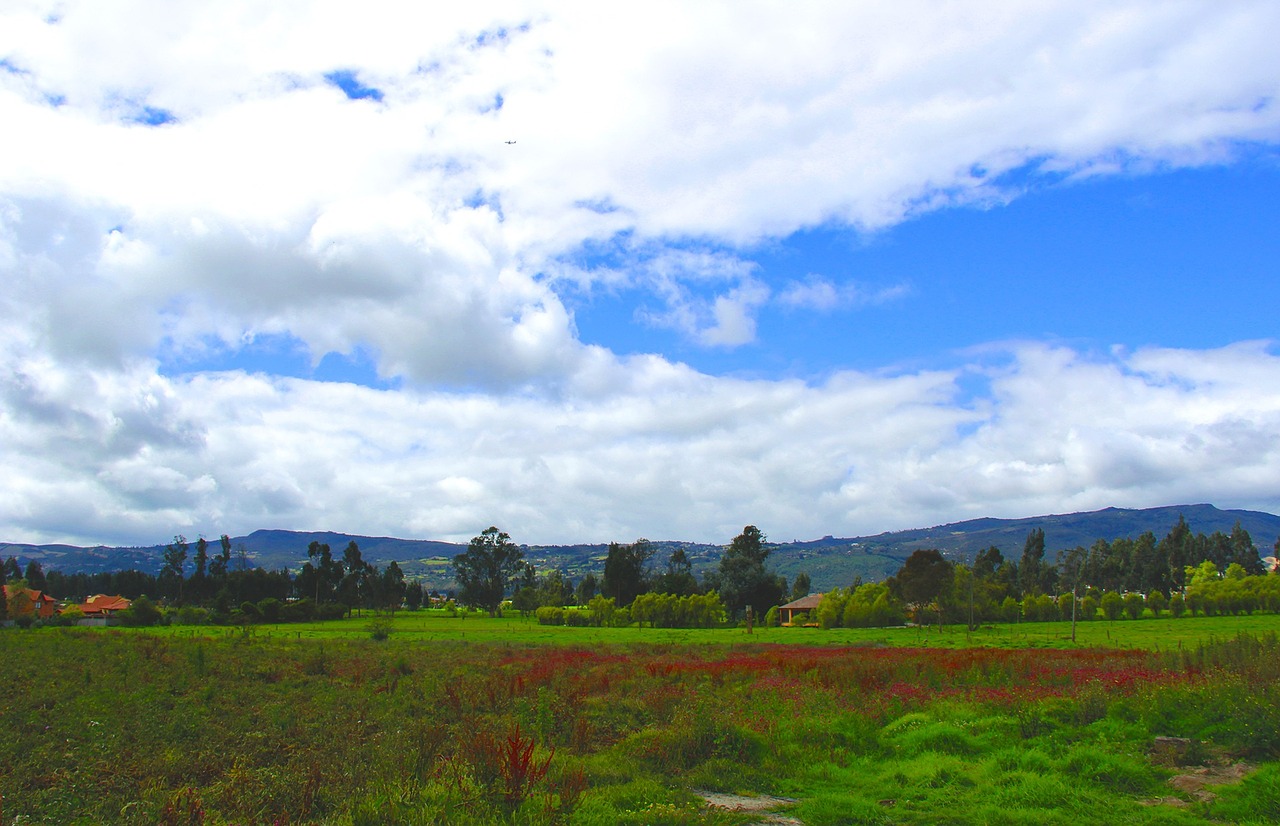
(1155, 634)
(487, 721)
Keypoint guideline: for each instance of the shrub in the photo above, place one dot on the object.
(303, 610)
(141, 612)
(269, 608)
(1088, 609)
(550, 615)
(1066, 603)
(191, 615)
(380, 627)
(1134, 604)
(67, 616)
(249, 612)
(1112, 605)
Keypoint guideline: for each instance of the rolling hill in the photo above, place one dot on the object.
(829, 561)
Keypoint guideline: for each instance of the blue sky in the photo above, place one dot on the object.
(593, 274)
(1165, 259)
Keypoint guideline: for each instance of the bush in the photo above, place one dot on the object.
(1088, 609)
(269, 608)
(380, 627)
(1134, 605)
(304, 610)
(1112, 605)
(142, 612)
(550, 615)
(191, 615)
(67, 617)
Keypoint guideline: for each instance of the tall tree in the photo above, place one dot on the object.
(678, 578)
(35, 576)
(987, 562)
(1218, 550)
(554, 589)
(199, 577)
(355, 577)
(1243, 553)
(1150, 571)
(800, 588)
(414, 596)
(1176, 548)
(1035, 575)
(221, 563)
(923, 578)
(587, 588)
(393, 587)
(321, 573)
(175, 559)
(743, 578)
(626, 571)
(483, 572)
(524, 595)
(202, 557)
(4, 601)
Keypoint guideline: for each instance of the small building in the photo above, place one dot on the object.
(799, 609)
(28, 602)
(101, 606)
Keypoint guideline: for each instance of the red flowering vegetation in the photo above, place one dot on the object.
(860, 678)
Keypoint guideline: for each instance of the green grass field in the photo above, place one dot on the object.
(484, 721)
(430, 626)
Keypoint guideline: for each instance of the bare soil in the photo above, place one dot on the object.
(763, 804)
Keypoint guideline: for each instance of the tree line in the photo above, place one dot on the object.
(199, 583)
(1180, 573)
(631, 588)
(211, 584)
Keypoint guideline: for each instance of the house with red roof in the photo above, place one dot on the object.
(103, 607)
(28, 602)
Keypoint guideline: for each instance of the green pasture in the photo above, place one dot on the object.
(1153, 634)
(504, 722)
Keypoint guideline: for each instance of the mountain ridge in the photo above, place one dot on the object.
(829, 561)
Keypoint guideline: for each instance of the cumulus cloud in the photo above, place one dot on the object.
(267, 191)
(428, 185)
(673, 453)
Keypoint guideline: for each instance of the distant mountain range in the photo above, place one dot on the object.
(830, 561)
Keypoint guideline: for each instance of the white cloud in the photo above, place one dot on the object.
(408, 228)
(420, 231)
(824, 295)
(668, 453)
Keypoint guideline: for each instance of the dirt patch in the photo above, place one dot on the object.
(1195, 766)
(1193, 782)
(763, 804)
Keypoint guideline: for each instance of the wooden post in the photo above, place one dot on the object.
(748, 619)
